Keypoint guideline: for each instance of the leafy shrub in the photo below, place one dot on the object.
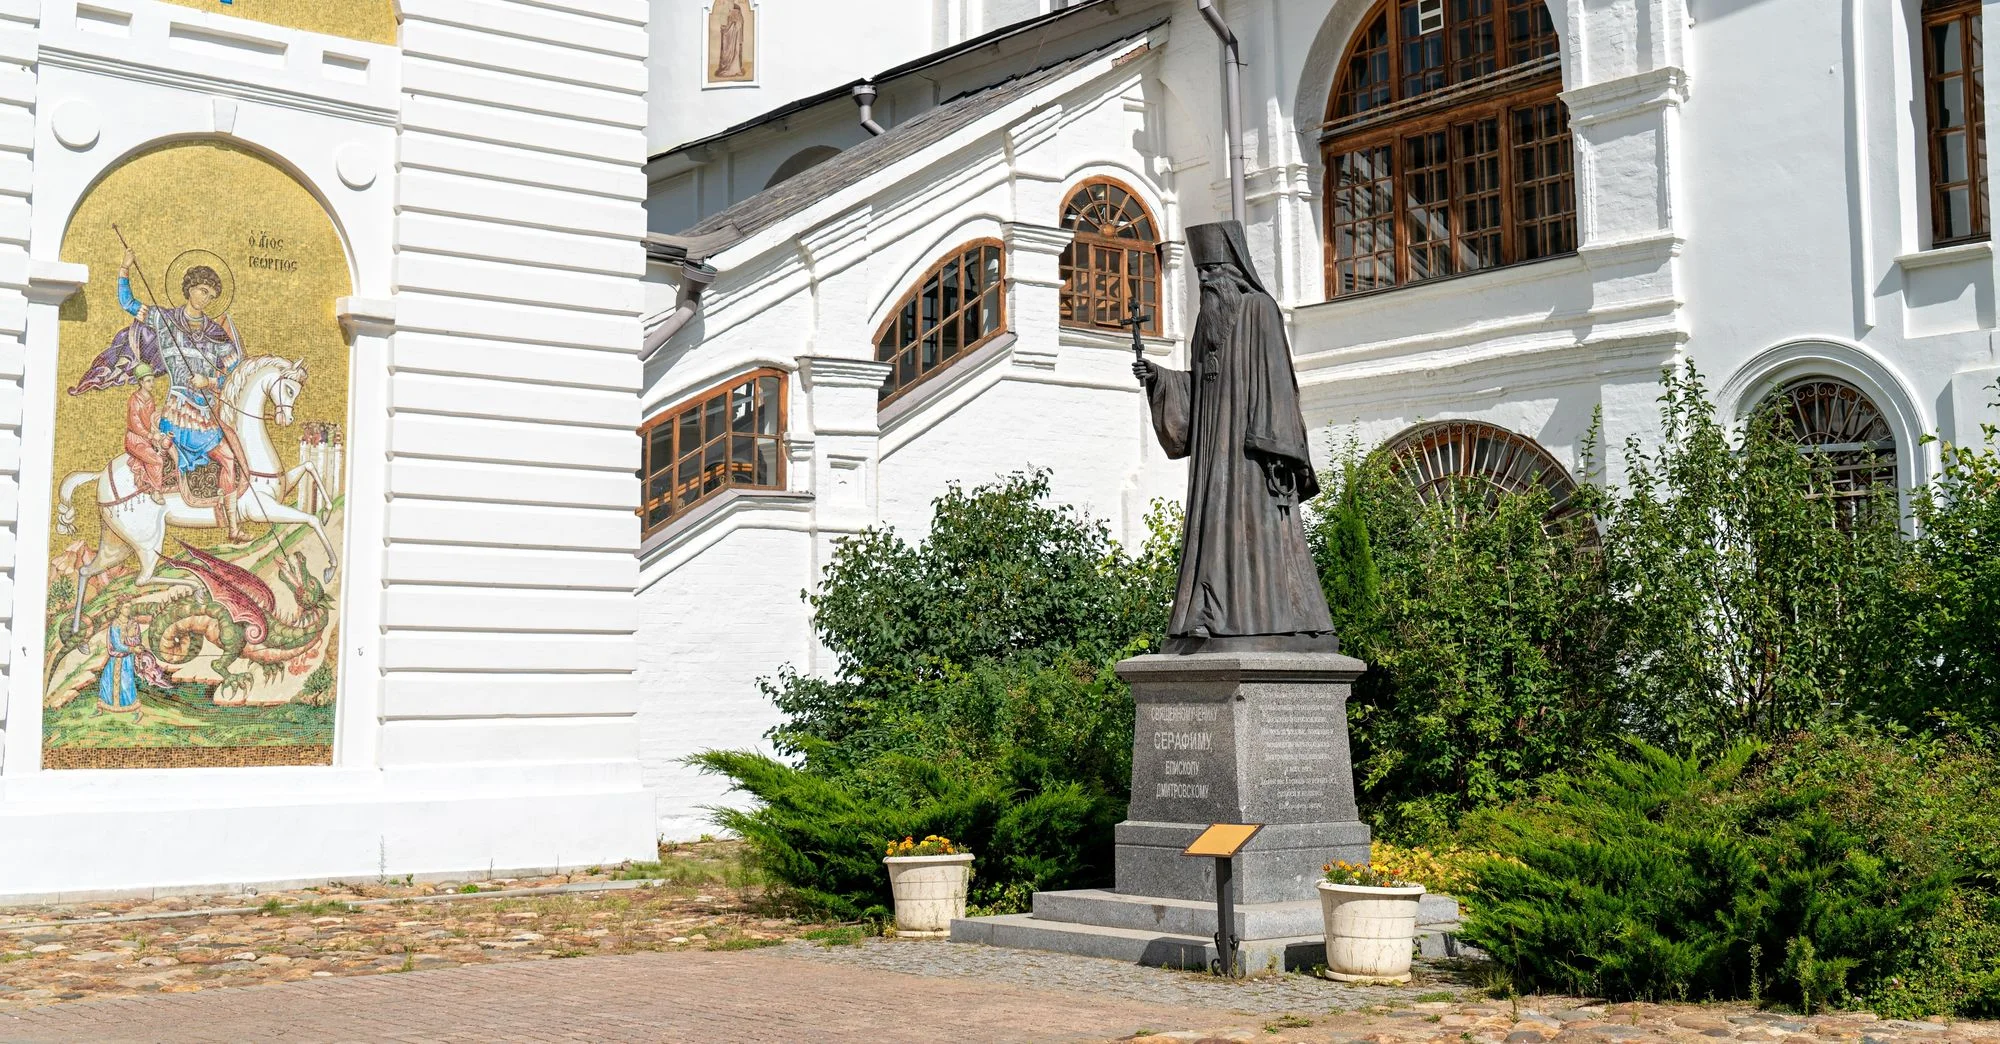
(1837, 866)
(1001, 576)
(974, 699)
(822, 838)
(1488, 643)
(1745, 591)
(1936, 654)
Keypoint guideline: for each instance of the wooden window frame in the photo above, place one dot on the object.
(1496, 97)
(650, 466)
(892, 387)
(1075, 298)
(1972, 72)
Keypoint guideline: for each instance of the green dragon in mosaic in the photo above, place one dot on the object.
(231, 609)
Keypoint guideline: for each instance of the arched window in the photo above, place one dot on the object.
(729, 437)
(959, 306)
(1114, 261)
(1438, 458)
(1834, 418)
(1955, 93)
(1447, 150)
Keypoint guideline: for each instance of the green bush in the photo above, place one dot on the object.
(974, 699)
(1488, 637)
(1745, 593)
(1935, 656)
(1001, 575)
(1845, 865)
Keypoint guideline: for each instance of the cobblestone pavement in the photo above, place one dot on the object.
(767, 995)
(1555, 1020)
(188, 944)
(915, 991)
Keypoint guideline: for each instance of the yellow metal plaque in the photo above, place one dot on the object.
(1223, 840)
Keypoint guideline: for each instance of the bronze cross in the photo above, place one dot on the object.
(1136, 321)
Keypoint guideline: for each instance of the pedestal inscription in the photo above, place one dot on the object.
(1239, 738)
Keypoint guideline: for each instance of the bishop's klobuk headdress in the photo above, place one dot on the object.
(1223, 241)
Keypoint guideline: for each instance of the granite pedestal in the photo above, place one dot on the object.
(1249, 737)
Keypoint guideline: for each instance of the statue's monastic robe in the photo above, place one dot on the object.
(1247, 580)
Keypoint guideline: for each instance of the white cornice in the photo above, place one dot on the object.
(1626, 95)
(375, 316)
(1026, 238)
(53, 282)
(202, 83)
(826, 371)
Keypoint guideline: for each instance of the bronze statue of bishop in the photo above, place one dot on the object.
(1247, 580)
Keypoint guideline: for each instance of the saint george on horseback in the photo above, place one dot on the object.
(204, 458)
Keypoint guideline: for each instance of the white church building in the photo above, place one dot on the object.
(332, 338)
(1489, 222)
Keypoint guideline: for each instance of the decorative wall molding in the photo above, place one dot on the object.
(203, 83)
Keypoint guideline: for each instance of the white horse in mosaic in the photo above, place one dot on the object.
(260, 391)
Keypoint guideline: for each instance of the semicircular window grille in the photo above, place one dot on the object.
(1443, 457)
(1833, 417)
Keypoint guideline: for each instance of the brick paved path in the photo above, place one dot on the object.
(768, 995)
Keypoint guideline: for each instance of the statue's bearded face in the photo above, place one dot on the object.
(1223, 278)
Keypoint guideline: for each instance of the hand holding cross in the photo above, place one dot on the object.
(1137, 322)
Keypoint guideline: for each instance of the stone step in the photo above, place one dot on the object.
(1151, 948)
(1300, 953)
(1105, 908)
(1108, 909)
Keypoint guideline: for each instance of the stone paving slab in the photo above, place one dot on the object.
(890, 990)
(767, 995)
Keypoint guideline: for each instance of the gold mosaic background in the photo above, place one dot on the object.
(370, 20)
(287, 266)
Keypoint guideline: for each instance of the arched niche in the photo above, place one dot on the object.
(801, 161)
(218, 346)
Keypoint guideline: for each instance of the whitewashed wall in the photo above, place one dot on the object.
(720, 591)
(808, 46)
(486, 176)
(1759, 211)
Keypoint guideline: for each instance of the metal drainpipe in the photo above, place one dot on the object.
(864, 96)
(1232, 78)
(695, 278)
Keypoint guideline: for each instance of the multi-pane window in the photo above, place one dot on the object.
(1839, 425)
(1114, 260)
(731, 437)
(1954, 89)
(959, 306)
(1447, 150)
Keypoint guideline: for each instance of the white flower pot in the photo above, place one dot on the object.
(929, 890)
(1370, 932)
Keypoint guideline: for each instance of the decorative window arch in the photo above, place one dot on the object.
(1955, 103)
(958, 306)
(1447, 149)
(1114, 261)
(1832, 417)
(1437, 457)
(731, 436)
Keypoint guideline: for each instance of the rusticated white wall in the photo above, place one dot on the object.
(485, 174)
